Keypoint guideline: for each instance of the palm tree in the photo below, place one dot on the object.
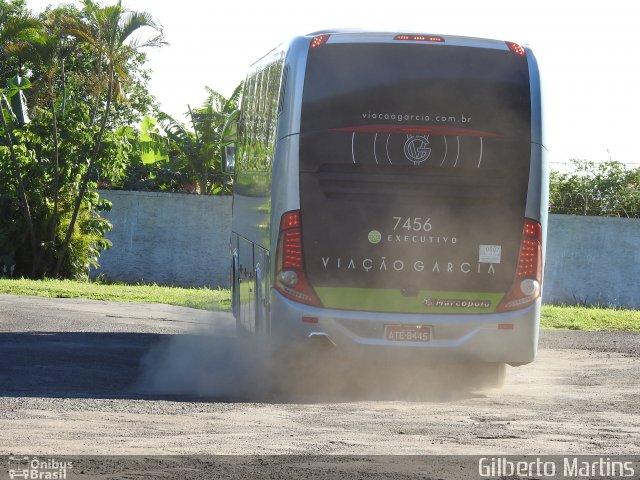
(108, 32)
(202, 148)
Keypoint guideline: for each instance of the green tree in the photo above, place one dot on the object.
(599, 189)
(16, 28)
(149, 167)
(201, 148)
(12, 14)
(50, 167)
(48, 48)
(109, 33)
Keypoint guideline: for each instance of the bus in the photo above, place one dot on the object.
(390, 198)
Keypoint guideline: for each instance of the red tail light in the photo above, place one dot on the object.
(319, 40)
(291, 280)
(515, 48)
(527, 284)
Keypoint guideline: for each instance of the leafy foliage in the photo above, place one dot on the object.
(167, 155)
(599, 189)
(200, 149)
(82, 76)
(150, 168)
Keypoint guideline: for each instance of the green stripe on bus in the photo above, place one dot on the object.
(385, 300)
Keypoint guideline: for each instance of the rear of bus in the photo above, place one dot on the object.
(421, 215)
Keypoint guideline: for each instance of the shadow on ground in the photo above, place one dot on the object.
(205, 367)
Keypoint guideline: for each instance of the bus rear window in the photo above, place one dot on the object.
(399, 105)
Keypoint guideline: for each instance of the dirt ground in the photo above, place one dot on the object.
(86, 377)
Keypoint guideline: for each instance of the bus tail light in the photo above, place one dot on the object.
(291, 280)
(527, 284)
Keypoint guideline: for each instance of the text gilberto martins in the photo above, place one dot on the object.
(570, 467)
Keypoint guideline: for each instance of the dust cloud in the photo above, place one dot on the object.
(216, 365)
(208, 363)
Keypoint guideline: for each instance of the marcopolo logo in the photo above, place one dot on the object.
(35, 468)
(430, 302)
(375, 237)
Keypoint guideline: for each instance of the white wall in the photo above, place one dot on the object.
(167, 238)
(593, 260)
(180, 239)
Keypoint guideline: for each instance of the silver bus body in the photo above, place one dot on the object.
(416, 298)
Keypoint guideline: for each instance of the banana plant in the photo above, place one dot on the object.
(201, 148)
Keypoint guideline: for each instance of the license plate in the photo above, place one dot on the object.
(408, 333)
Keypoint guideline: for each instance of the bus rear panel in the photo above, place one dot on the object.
(412, 231)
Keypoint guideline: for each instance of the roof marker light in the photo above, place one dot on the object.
(319, 40)
(419, 38)
(515, 48)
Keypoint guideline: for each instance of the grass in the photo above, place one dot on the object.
(553, 317)
(201, 298)
(589, 318)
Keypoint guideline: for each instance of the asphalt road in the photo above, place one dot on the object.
(81, 377)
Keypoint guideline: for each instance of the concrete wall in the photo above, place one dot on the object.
(593, 260)
(167, 238)
(179, 239)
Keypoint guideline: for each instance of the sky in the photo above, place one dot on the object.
(586, 52)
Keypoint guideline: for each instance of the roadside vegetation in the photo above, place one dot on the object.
(201, 298)
(553, 317)
(76, 116)
(70, 79)
(608, 189)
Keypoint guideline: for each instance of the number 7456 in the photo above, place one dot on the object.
(417, 224)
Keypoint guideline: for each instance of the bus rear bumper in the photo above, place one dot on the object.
(497, 338)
